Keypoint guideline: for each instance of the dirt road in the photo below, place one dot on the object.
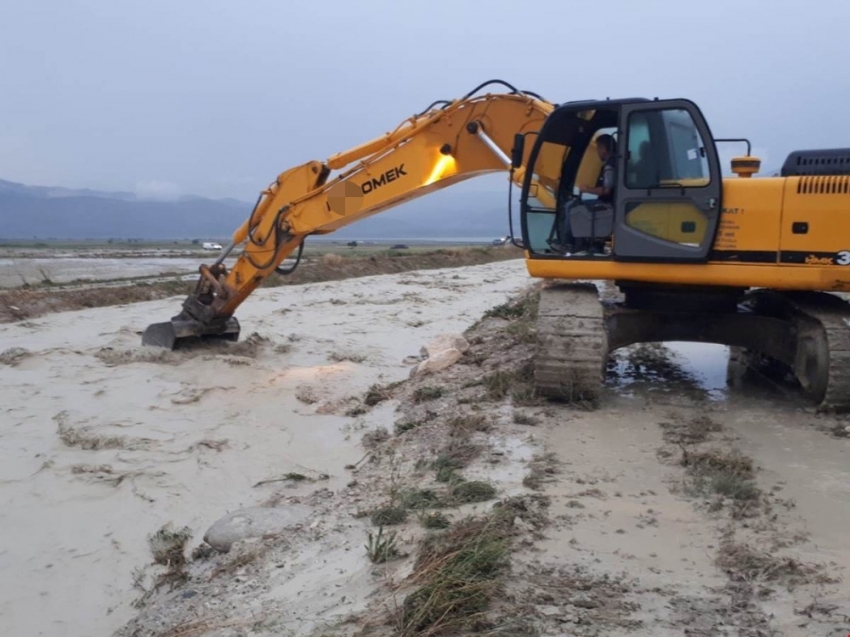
(680, 506)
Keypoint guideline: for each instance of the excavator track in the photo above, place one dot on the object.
(822, 325)
(572, 343)
(831, 338)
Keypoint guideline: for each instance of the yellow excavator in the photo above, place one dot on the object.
(626, 191)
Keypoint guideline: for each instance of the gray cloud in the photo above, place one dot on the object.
(216, 98)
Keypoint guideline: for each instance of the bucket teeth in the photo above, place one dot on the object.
(178, 332)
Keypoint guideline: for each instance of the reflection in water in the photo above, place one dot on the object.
(671, 368)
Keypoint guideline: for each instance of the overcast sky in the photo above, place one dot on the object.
(216, 98)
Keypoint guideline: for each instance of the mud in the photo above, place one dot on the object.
(684, 504)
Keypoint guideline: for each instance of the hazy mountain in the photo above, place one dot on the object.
(27, 212)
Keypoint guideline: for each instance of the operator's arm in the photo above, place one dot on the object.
(607, 184)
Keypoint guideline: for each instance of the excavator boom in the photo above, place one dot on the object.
(447, 143)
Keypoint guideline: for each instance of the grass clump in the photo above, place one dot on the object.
(426, 393)
(693, 431)
(743, 563)
(341, 357)
(401, 426)
(524, 419)
(498, 384)
(381, 548)
(470, 423)
(542, 468)
(168, 546)
(374, 438)
(474, 491)
(420, 499)
(458, 572)
(389, 516)
(434, 520)
(729, 474)
(379, 393)
(357, 410)
(522, 307)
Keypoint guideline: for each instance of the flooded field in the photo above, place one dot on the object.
(63, 270)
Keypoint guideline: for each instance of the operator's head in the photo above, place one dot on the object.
(605, 146)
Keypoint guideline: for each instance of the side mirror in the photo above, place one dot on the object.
(518, 150)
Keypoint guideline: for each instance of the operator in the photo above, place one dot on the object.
(579, 213)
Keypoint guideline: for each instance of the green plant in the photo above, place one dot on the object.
(420, 499)
(381, 549)
(422, 394)
(474, 491)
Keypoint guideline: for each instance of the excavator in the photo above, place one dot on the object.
(754, 263)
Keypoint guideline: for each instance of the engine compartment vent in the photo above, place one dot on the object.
(831, 161)
(824, 185)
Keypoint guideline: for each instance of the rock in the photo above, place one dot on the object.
(583, 600)
(253, 522)
(445, 342)
(549, 611)
(439, 361)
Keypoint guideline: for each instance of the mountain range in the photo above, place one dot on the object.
(42, 212)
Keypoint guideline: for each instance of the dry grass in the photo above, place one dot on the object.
(426, 393)
(389, 516)
(693, 431)
(726, 473)
(84, 439)
(168, 546)
(340, 357)
(743, 563)
(434, 520)
(13, 356)
(498, 383)
(470, 423)
(243, 559)
(379, 393)
(457, 573)
(521, 418)
(474, 491)
(372, 439)
(542, 469)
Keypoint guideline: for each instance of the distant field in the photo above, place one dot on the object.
(64, 263)
(56, 280)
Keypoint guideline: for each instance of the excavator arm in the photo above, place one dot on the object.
(447, 143)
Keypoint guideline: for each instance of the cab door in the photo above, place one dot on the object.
(669, 184)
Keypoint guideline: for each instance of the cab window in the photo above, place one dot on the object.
(665, 150)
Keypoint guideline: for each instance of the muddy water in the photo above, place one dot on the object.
(17, 272)
(96, 456)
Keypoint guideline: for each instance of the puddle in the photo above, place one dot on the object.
(671, 368)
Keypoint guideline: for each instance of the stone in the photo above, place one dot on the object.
(445, 342)
(253, 522)
(438, 362)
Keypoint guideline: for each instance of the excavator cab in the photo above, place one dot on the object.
(667, 195)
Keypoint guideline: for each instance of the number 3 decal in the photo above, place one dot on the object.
(843, 257)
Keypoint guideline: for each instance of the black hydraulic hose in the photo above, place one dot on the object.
(288, 271)
(510, 210)
(533, 94)
(444, 103)
(488, 83)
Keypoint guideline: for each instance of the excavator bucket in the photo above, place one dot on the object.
(180, 332)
